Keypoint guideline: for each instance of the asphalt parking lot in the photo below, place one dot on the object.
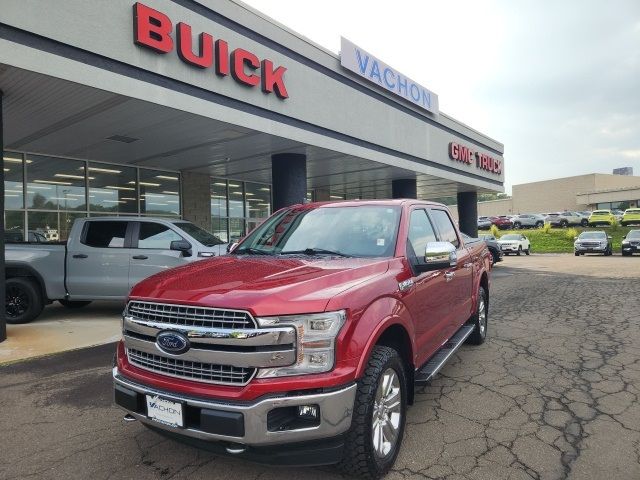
(553, 394)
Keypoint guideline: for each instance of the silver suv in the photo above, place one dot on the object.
(527, 220)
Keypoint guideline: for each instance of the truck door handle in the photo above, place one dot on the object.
(449, 275)
(80, 255)
(140, 257)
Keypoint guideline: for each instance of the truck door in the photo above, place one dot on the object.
(427, 299)
(152, 252)
(460, 277)
(98, 261)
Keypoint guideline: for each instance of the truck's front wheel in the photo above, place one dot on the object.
(379, 414)
(23, 300)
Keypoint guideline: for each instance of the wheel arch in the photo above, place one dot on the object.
(25, 271)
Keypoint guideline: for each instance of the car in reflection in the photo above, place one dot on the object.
(631, 243)
(17, 236)
(593, 242)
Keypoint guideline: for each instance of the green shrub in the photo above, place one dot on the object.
(495, 231)
(546, 228)
(571, 233)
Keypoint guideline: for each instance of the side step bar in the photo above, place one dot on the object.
(428, 370)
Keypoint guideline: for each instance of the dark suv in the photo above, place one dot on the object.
(631, 243)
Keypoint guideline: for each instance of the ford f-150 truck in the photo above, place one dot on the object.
(103, 258)
(304, 345)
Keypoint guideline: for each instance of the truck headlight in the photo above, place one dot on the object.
(316, 342)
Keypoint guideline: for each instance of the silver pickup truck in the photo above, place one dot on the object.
(103, 258)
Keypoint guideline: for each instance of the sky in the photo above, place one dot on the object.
(557, 82)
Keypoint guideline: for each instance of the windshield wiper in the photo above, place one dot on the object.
(315, 251)
(251, 251)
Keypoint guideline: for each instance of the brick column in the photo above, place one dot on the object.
(196, 199)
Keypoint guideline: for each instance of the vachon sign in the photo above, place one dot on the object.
(463, 154)
(154, 30)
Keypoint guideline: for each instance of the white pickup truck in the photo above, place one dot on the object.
(103, 258)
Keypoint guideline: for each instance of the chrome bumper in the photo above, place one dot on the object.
(336, 410)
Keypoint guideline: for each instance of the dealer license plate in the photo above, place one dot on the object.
(164, 411)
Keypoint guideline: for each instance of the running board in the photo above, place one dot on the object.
(435, 363)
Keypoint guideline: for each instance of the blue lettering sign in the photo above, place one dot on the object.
(375, 72)
(426, 98)
(363, 66)
(388, 73)
(415, 92)
(402, 83)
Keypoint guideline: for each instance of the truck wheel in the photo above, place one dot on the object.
(373, 441)
(479, 319)
(74, 303)
(23, 300)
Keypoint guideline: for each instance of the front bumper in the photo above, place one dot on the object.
(509, 248)
(581, 249)
(631, 248)
(246, 423)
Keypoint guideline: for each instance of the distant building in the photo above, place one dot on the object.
(623, 171)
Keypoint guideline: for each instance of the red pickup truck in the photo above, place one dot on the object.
(305, 344)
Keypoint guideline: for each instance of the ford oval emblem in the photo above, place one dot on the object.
(173, 343)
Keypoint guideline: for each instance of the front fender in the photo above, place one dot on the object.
(375, 320)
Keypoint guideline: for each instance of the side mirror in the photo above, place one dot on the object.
(609, 237)
(181, 246)
(438, 255)
(232, 246)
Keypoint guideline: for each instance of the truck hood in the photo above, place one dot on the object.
(264, 285)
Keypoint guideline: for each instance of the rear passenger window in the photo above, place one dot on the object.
(105, 234)
(420, 233)
(445, 227)
(155, 235)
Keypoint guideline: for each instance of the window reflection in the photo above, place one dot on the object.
(112, 189)
(55, 184)
(13, 181)
(159, 193)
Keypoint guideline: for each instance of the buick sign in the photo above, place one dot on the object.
(173, 343)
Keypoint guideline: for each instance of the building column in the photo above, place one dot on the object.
(3, 312)
(288, 179)
(468, 213)
(404, 188)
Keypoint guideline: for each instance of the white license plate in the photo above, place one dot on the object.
(164, 411)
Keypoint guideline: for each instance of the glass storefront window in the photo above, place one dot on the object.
(258, 200)
(13, 226)
(55, 183)
(236, 229)
(218, 198)
(112, 189)
(44, 223)
(13, 181)
(66, 220)
(236, 199)
(159, 193)
(219, 228)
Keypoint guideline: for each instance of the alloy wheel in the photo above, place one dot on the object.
(482, 316)
(387, 414)
(17, 301)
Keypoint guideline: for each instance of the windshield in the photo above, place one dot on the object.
(592, 235)
(633, 235)
(202, 236)
(358, 231)
(510, 237)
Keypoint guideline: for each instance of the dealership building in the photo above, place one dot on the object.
(581, 192)
(210, 111)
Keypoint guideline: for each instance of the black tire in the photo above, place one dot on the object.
(23, 301)
(359, 457)
(517, 225)
(584, 222)
(74, 303)
(495, 256)
(479, 334)
(577, 254)
(564, 224)
(519, 250)
(626, 254)
(528, 251)
(539, 224)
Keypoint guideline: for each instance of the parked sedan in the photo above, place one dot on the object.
(631, 217)
(593, 242)
(631, 243)
(514, 243)
(484, 223)
(493, 246)
(502, 222)
(601, 217)
(527, 220)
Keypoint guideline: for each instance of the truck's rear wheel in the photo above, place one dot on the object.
(479, 319)
(379, 414)
(23, 300)
(74, 303)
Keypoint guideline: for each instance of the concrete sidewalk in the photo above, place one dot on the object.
(59, 329)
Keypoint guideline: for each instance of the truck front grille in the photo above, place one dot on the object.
(191, 316)
(201, 372)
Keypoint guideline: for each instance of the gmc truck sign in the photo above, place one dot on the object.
(155, 30)
(463, 154)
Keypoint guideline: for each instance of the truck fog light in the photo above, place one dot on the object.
(308, 412)
(318, 358)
